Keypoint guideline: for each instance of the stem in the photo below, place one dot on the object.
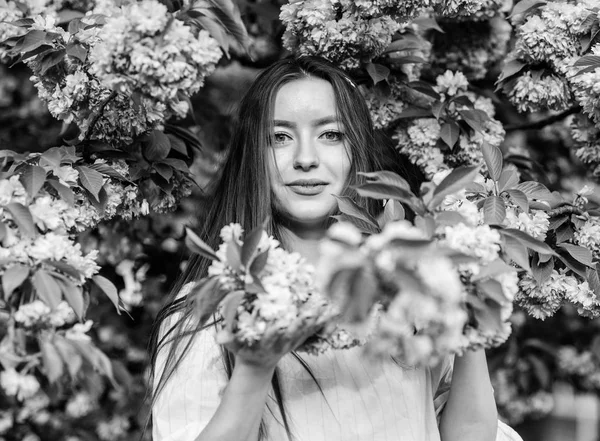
(97, 114)
(567, 209)
(543, 122)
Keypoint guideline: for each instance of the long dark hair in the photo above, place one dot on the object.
(243, 194)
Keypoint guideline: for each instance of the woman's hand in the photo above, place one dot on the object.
(272, 347)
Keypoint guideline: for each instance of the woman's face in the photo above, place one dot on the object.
(310, 159)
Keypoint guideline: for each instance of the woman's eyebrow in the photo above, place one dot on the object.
(317, 122)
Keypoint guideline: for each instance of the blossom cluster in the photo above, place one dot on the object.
(472, 10)
(272, 303)
(419, 139)
(145, 50)
(550, 36)
(346, 32)
(421, 318)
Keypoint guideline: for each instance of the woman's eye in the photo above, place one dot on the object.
(332, 136)
(280, 138)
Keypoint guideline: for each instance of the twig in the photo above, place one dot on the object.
(543, 122)
(98, 114)
(567, 209)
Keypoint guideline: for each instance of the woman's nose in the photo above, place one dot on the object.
(306, 155)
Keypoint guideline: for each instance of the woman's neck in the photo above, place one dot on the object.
(304, 241)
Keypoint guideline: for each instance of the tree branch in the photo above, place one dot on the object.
(543, 122)
(567, 209)
(98, 114)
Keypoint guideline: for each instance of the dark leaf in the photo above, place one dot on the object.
(494, 210)
(13, 277)
(582, 255)
(206, 296)
(377, 72)
(520, 199)
(528, 241)
(198, 246)
(493, 160)
(541, 270)
(158, 147)
(457, 180)
(517, 252)
(449, 133)
(46, 288)
(33, 178)
(22, 217)
(91, 180)
(108, 288)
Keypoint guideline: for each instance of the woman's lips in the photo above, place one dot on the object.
(308, 189)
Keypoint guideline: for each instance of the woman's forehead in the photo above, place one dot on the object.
(307, 100)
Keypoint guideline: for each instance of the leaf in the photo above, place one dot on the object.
(33, 178)
(425, 88)
(72, 293)
(32, 40)
(449, 133)
(108, 288)
(158, 147)
(258, 264)
(51, 360)
(164, 170)
(392, 211)
(95, 357)
(22, 217)
(589, 62)
(178, 144)
(438, 108)
(46, 288)
(591, 276)
(541, 270)
(13, 277)
(198, 246)
(493, 160)
(354, 290)
(494, 210)
(571, 262)
(229, 308)
(377, 72)
(206, 296)
(493, 269)
(564, 233)
(388, 177)
(70, 354)
(64, 192)
(364, 227)
(350, 208)
(508, 179)
(541, 371)
(109, 171)
(77, 51)
(234, 255)
(382, 190)
(50, 60)
(534, 190)
(229, 16)
(519, 198)
(91, 180)
(557, 222)
(450, 218)
(251, 241)
(457, 180)
(492, 289)
(527, 240)
(517, 252)
(475, 118)
(582, 255)
(403, 44)
(525, 6)
(488, 315)
(64, 268)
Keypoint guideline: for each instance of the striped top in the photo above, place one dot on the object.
(360, 400)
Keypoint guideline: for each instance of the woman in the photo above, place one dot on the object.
(302, 134)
